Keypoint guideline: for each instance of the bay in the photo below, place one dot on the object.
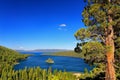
(69, 64)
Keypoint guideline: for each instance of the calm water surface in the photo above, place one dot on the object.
(60, 63)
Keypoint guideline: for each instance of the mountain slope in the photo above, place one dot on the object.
(9, 57)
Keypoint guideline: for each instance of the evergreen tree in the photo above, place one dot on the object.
(8, 59)
(102, 18)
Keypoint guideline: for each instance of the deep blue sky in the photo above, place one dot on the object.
(40, 24)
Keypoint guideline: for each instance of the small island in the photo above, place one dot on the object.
(49, 60)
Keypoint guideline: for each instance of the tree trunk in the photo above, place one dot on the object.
(110, 70)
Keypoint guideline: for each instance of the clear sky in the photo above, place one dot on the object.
(40, 24)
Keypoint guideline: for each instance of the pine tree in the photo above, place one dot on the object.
(30, 74)
(102, 18)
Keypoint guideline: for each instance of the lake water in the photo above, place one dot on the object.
(69, 64)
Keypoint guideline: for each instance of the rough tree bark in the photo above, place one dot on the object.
(110, 70)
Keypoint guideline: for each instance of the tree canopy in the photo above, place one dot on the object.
(102, 33)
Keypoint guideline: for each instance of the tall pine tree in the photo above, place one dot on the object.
(102, 18)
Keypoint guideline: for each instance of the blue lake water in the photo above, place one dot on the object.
(60, 63)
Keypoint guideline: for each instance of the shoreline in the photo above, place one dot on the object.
(77, 75)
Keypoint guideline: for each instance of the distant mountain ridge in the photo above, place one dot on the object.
(45, 50)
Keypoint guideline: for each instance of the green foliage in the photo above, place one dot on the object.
(86, 71)
(8, 58)
(82, 34)
(96, 74)
(96, 17)
(67, 53)
(92, 48)
(93, 52)
(117, 57)
(35, 74)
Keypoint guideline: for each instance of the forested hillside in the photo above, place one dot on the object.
(8, 58)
